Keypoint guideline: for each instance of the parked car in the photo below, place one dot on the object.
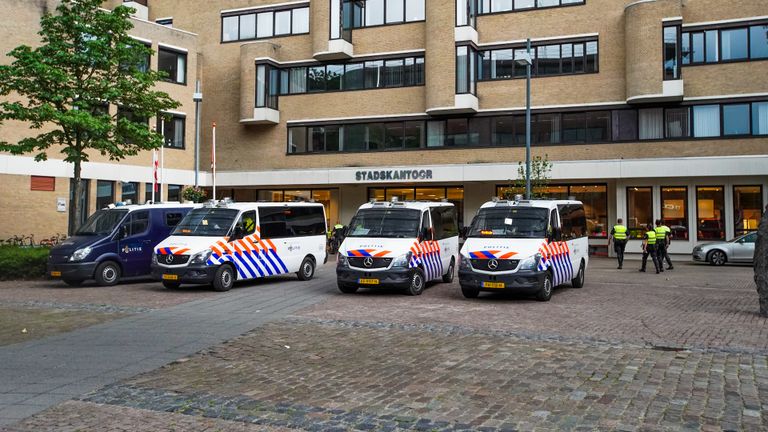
(740, 249)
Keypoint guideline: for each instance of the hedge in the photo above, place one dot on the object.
(22, 262)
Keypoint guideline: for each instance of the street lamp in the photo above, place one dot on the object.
(525, 60)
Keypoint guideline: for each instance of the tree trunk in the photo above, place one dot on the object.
(74, 202)
(761, 264)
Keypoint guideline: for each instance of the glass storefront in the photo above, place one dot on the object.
(747, 208)
(130, 191)
(674, 210)
(453, 194)
(639, 210)
(710, 213)
(594, 197)
(105, 193)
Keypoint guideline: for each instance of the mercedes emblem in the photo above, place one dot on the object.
(169, 259)
(493, 264)
(368, 262)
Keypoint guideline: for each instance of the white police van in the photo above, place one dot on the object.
(399, 244)
(225, 242)
(525, 246)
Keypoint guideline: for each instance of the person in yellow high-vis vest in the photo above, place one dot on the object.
(649, 248)
(663, 238)
(619, 238)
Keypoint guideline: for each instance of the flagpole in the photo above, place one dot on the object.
(154, 174)
(213, 160)
(162, 157)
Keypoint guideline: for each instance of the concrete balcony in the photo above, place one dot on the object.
(262, 116)
(462, 104)
(338, 49)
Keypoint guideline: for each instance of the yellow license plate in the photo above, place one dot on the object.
(170, 277)
(55, 274)
(493, 284)
(368, 281)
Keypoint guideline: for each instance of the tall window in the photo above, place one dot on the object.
(710, 213)
(671, 52)
(736, 119)
(651, 123)
(105, 193)
(466, 81)
(173, 134)
(747, 208)
(174, 192)
(639, 210)
(706, 121)
(760, 118)
(674, 210)
(130, 191)
(174, 64)
(493, 6)
(267, 24)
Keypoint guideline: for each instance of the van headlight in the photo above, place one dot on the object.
(342, 261)
(530, 263)
(201, 257)
(402, 260)
(81, 254)
(464, 263)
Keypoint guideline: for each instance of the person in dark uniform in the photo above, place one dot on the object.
(663, 238)
(649, 248)
(619, 238)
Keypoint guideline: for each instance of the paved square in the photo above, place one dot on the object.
(684, 350)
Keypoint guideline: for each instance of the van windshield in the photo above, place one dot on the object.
(206, 222)
(389, 223)
(102, 222)
(510, 222)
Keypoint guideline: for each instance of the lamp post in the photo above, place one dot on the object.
(527, 61)
(197, 97)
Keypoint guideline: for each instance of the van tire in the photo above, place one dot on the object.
(73, 282)
(545, 293)
(171, 285)
(307, 269)
(416, 286)
(224, 278)
(347, 289)
(107, 273)
(448, 277)
(470, 293)
(578, 281)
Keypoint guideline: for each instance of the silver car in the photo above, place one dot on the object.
(741, 249)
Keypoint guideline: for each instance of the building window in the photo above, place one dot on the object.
(267, 86)
(380, 12)
(494, 6)
(747, 208)
(651, 123)
(674, 210)
(168, 22)
(736, 119)
(174, 192)
(173, 64)
(725, 45)
(105, 193)
(706, 121)
(672, 52)
(548, 59)
(130, 192)
(41, 183)
(595, 200)
(466, 13)
(710, 213)
(466, 81)
(624, 125)
(639, 211)
(677, 123)
(760, 118)
(266, 24)
(173, 134)
(452, 194)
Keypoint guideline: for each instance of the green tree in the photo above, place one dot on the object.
(63, 88)
(541, 169)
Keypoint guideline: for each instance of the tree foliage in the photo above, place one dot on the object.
(541, 169)
(63, 89)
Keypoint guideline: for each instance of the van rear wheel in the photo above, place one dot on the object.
(107, 273)
(448, 277)
(307, 269)
(578, 281)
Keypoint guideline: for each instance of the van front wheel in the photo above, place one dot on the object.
(307, 269)
(545, 293)
(107, 273)
(417, 283)
(224, 279)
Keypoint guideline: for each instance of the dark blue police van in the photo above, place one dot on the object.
(115, 243)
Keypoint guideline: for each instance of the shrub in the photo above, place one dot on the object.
(22, 262)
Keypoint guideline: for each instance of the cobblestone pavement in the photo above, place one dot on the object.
(610, 356)
(142, 294)
(692, 306)
(25, 324)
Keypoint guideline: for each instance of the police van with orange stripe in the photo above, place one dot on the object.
(225, 242)
(399, 244)
(525, 246)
